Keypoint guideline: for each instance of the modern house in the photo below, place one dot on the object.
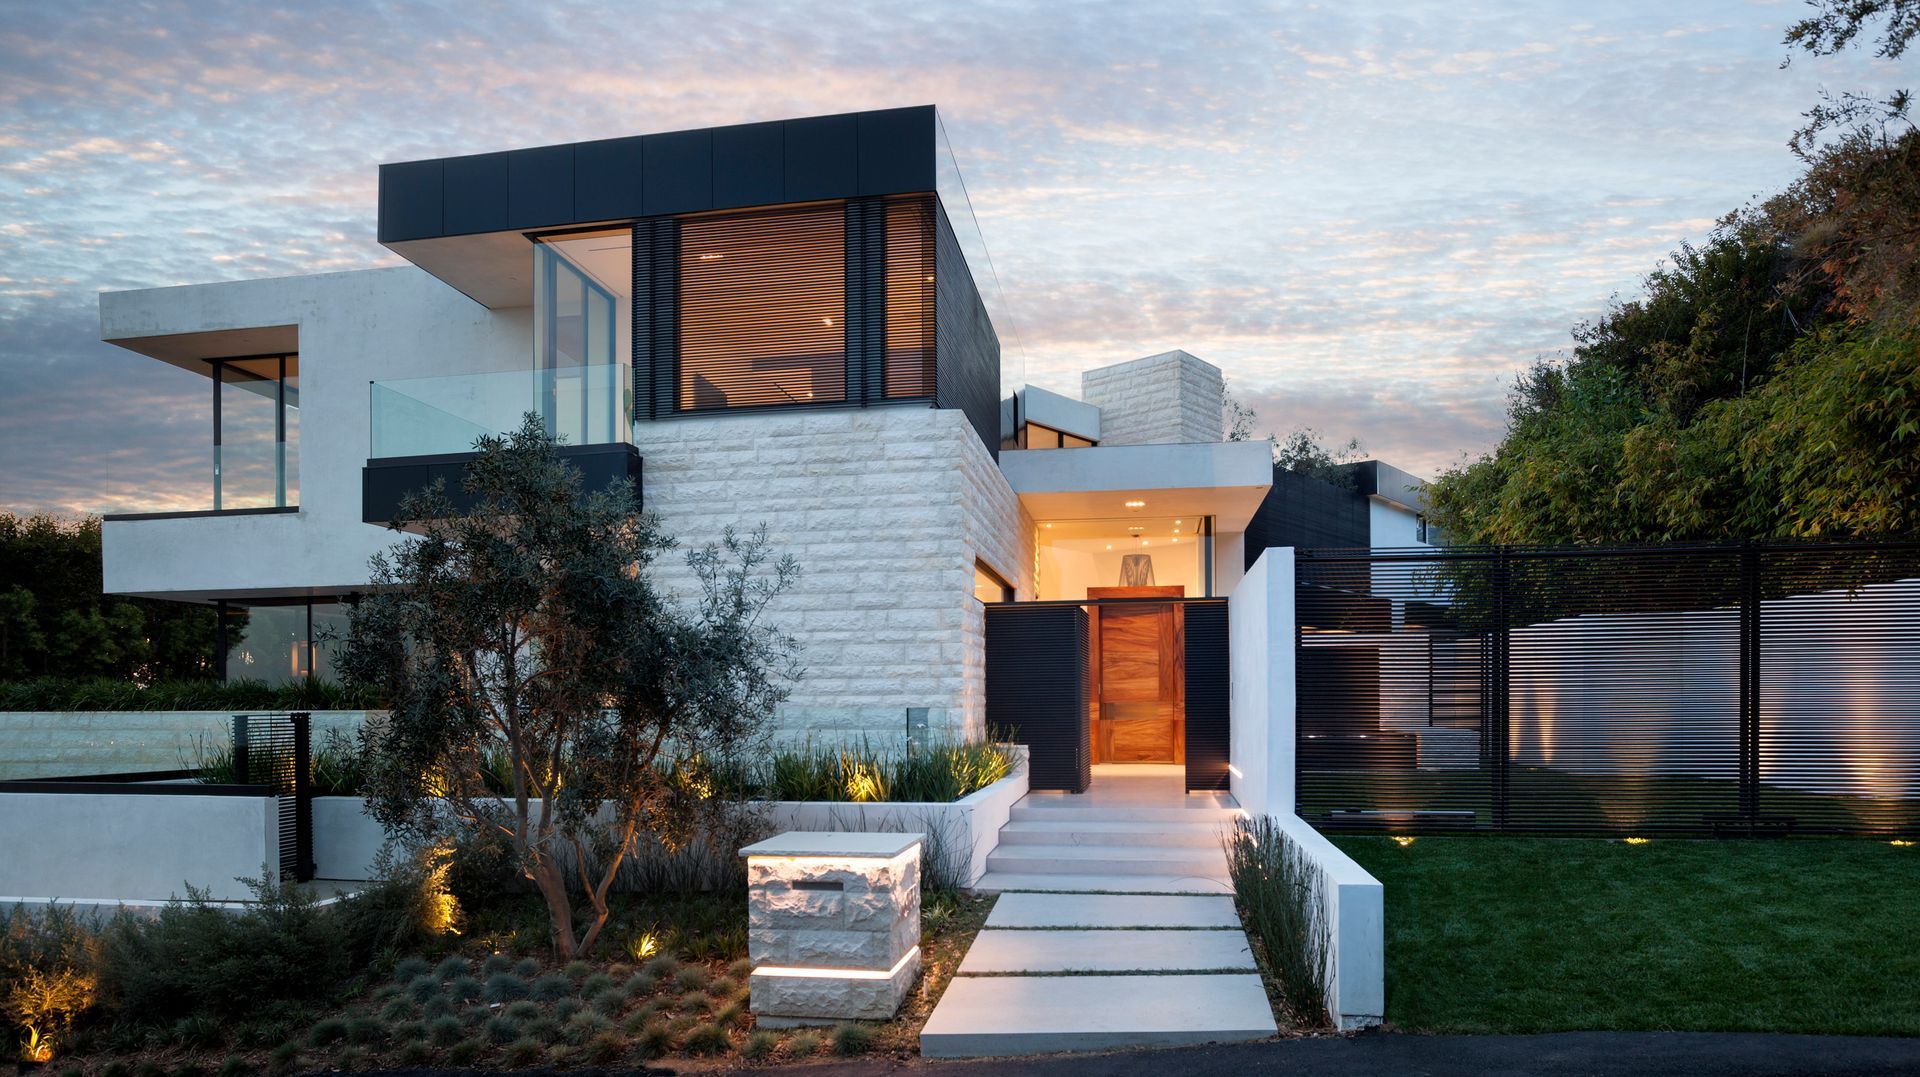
(791, 323)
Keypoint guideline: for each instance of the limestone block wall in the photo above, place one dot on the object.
(1170, 398)
(884, 509)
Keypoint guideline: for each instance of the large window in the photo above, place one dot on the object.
(1074, 555)
(910, 332)
(583, 334)
(256, 432)
(280, 642)
(762, 310)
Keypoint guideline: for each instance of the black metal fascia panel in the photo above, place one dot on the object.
(1036, 673)
(656, 303)
(851, 155)
(384, 483)
(1209, 697)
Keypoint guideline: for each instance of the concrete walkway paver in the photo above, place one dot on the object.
(1013, 1015)
(1106, 951)
(1111, 910)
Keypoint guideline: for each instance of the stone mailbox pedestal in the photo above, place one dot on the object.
(833, 925)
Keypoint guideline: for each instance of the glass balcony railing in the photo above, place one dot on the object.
(584, 405)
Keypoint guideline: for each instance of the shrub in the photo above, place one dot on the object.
(465, 988)
(407, 969)
(234, 1066)
(709, 1039)
(804, 1043)
(524, 1051)
(602, 1049)
(195, 958)
(464, 1052)
(656, 1039)
(284, 1057)
(451, 967)
(199, 1030)
(936, 773)
(398, 1009)
(526, 967)
(445, 1031)
(740, 969)
(640, 983)
(522, 1010)
(501, 1029)
(543, 1028)
(495, 963)
(552, 988)
(413, 1053)
(48, 963)
(326, 1031)
(664, 965)
(567, 1007)
(481, 868)
(352, 1059)
(577, 970)
(693, 976)
(851, 1039)
(1277, 887)
(608, 1001)
(695, 1002)
(760, 1044)
(594, 984)
(585, 1025)
(437, 1006)
(505, 987)
(365, 1030)
(408, 1032)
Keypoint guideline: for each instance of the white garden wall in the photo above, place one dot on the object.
(106, 848)
(1353, 905)
(1260, 633)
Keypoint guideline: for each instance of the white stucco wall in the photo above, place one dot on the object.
(103, 848)
(1168, 398)
(1260, 630)
(885, 510)
(1391, 526)
(354, 328)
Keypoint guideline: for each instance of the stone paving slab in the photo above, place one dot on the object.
(1015, 1015)
(1105, 951)
(994, 882)
(1112, 910)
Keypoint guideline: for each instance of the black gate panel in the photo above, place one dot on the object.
(276, 750)
(1037, 690)
(1209, 697)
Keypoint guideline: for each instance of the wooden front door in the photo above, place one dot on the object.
(1138, 668)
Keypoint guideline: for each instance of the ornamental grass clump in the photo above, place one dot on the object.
(937, 773)
(1278, 889)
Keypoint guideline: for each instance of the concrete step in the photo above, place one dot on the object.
(999, 882)
(1107, 860)
(1053, 832)
(983, 1016)
(1065, 811)
(1112, 911)
(1106, 950)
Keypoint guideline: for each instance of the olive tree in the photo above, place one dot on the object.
(545, 688)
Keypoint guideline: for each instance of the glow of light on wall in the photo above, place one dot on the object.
(838, 974)
(1402, 840)
(1635, 841)
(1235, 771)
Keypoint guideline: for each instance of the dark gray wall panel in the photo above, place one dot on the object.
(385, 483)
(539, 186)
(679, 172)
(748, 165)
(896, 151)
(409, 201)
(967, 355)
(1306, 513)
(607, 180)
(1209, 697)
(822, 158)
(1037, 690)
(475, 194)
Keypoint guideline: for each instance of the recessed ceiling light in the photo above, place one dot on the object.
(1143, 542)
(1176, 521)
(1049, 525)
(1136, 504)
(1109, 545)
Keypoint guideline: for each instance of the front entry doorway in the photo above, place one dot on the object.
(1137, 674)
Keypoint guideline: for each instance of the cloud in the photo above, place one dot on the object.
(1371, 215)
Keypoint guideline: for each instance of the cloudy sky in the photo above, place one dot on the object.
(1369, 214)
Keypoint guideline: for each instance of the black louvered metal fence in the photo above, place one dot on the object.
(1629, 690)
(276, 750)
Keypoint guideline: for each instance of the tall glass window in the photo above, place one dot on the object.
(256, 427)
(278, 643)
(583, 334)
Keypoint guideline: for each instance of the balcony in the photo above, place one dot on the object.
(423, 429)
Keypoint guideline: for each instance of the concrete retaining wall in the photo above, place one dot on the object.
(1353, 904)
(105, 848)
(53, 744)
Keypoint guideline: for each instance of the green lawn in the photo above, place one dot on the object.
(1512, 934)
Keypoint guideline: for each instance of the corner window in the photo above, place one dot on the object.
(256, 432)
(1035, 436)
(910, 330)
(583, 334)
(990, 586)
(762, 310)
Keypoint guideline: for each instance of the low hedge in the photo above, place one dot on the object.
(107, 694)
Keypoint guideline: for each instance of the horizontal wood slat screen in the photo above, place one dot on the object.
(910, 281)
(762, 309)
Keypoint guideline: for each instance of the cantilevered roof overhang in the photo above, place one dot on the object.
(1226, 480)
(465, 219)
